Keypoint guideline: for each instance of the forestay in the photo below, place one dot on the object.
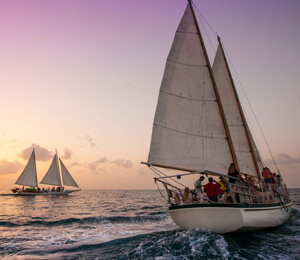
(188, 130)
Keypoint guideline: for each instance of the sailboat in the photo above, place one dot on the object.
(200, 129)
(57, 175)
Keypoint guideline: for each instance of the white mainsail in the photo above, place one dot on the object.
(29, 175)
(245, 149)
(188, 130)
(66, 176)
(52, 177)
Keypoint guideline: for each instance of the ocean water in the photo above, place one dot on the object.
(126, 224)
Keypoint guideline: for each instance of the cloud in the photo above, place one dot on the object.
(283, 158)
(74, 164)
(123, 164)
(99, 170)
(42, 154)
(90, 141)
(95, 165)
(67, 154)
(127, 84)
(7, 167)
(144, 171)
(103, 160)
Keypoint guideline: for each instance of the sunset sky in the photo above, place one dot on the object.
(82, 77)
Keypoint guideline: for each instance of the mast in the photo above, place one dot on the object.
(58, 168)
(246, 127)
(232, 151)
(35, 170)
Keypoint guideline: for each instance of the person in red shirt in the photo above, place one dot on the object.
(266, 173)
(212, 189)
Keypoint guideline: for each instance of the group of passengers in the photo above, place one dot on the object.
(271, 178)
(57, 189)
(213, 190)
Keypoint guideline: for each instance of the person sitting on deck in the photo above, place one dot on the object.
(187, 196)
(212, 189)
(223, 185)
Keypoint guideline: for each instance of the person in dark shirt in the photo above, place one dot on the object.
(233, 172)
(234, 177)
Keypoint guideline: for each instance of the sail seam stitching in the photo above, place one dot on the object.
(185, 64)
(188, 98)
(181, 132)
(187, 32)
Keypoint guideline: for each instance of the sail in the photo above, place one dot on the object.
(188, 130)
(245, 149)
(29, 175)
(66, 176)
(52, 177)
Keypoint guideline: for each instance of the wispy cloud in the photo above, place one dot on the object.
(74, 164)
(127, 84)
(67, 154)
(283, 158)
(95, 165)
(42, 154)
(144, 171)
(7, 167)
(90, 141)
(123, 164)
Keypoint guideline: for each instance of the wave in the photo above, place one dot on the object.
(276, 243)
(175, 244)
(151, 217)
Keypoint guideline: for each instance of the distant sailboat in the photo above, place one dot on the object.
(57, 175)
(200, 128)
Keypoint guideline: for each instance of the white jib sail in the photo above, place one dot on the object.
(52, 176)
(29, 175)
(66, 176)
(188, 131)
(237, 127)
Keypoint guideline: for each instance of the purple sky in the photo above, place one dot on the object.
(83, 76)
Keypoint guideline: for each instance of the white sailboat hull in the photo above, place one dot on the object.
(26, 193)
(226, 219)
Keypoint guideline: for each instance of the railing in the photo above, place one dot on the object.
(238, 191)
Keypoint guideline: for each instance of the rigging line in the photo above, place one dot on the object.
(161, 194)
(200, 15)
(158, 171)
(252, 110)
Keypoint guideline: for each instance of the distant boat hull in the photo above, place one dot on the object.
(226, 218)
(36, 193)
